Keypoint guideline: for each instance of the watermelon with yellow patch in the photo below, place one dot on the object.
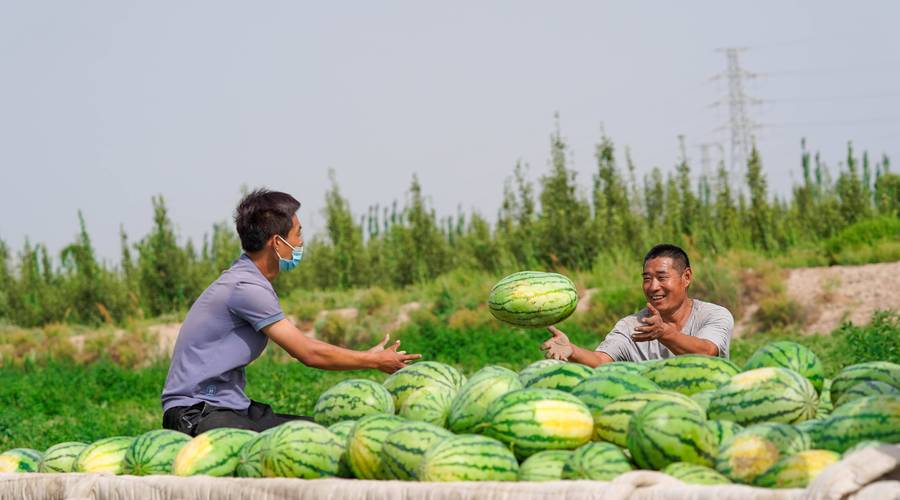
(798, 470)
(216, 452)
(20, 460)
(752, 451)
(106, 455)
(765, 395)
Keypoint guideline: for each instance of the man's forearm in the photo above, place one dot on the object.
(680, 343)
(330, 357)
(589, 358)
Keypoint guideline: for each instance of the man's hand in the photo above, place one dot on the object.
(655, 328)
(390, 359)
(557, 346)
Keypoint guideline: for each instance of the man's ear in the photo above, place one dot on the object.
(687, 276)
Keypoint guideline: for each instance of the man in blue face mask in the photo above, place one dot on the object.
(231, 322)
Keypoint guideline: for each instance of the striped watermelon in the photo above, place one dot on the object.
(429, 404)
(751, 452)
(61, 457)
(365, 444)
(153, 452)
(544, 465)
(469, 457)
(596, 461)
(485, 386)
(352, 399)
(562, 377)
(825, 406)
(723, 430)
(790, 355)
(533, 298)
(881, 371)
(623, 367)
(533, 420)
(796, 471)
(597, 391)
(250, 455)
(216, 452)
(105, 455)
(405, 446)
(342, 431)
(20, 460)
(301, 449)
(692, 373)
(695, 474)
(420, 375)
(869, 418)
(661, 433)
(764, 395)
(862, 445)
(611, 424)
(528, 372)
(866, 388)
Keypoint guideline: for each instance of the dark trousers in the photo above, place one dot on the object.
(201, 417)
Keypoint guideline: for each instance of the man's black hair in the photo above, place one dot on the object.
(679, 257)
(261, 214)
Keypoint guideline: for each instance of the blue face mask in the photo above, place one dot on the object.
(296, 257)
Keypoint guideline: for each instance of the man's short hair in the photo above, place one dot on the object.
(261, 214)
(679, 257)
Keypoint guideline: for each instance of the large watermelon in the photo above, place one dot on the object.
(405, 446)
(424, 374)
(864, 389)
(61, 457)
(365, 444)
(596, 461)
(105, 455)
(544, 465)
(754, 450)
(20, 460)
(215, 452)
(429, 404)
(764, 395)
(469, 457)
(562, 377)
(695, 474)
(342, 431)
(790, 355)
(881, 371)
(692, 373)
(528, 372)
(301, 449)
(352, 399)
(153, 452)
(623, 367)
(600, 389)
(661, 433)
(533, 420)
(869, 418)
(485, 386)
(611, 424)
(250, 456)
(796, 471)
(533, 298)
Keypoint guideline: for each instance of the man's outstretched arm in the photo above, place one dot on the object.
(559, 347)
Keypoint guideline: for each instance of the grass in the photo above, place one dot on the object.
(53, 401)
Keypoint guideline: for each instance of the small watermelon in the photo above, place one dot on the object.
(429, 404)
(352, 399)
(623, 367)
(106, 455)
(342, 431)
(881, 371)
(790, 355)
(661, 433)
(596, 461)
(692, 373)
(764, 395)
(20, 460)
(61, 457)
(600, 389)
(865, 419)
(423, 374)
(796, 471)
(562, 377)
(404, 448)
(533, 299)
(469, 457)
(301, 449)
(611, 424)
(866, 388)
(544, 466)
(365, 443)
(528, 372)
(751, 452)
(215, 452)
(250, 456)
(153, 452)
(482, 389)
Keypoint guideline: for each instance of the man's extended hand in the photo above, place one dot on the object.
(390, 359)
(654, 327)
(557, 346)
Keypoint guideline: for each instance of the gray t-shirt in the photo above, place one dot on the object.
(219, 337)
(707, 321)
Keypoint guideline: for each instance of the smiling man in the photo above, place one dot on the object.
(671, 324)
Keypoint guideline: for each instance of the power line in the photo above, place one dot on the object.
(835, 98)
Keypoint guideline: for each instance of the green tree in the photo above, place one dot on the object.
(163, 266)
(759, 204)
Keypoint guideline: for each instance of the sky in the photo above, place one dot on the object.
(104, 104)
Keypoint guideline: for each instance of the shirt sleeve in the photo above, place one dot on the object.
(617, 343)
(717, 329)
(256, 305)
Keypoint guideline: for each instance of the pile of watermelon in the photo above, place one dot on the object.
(775, 423)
